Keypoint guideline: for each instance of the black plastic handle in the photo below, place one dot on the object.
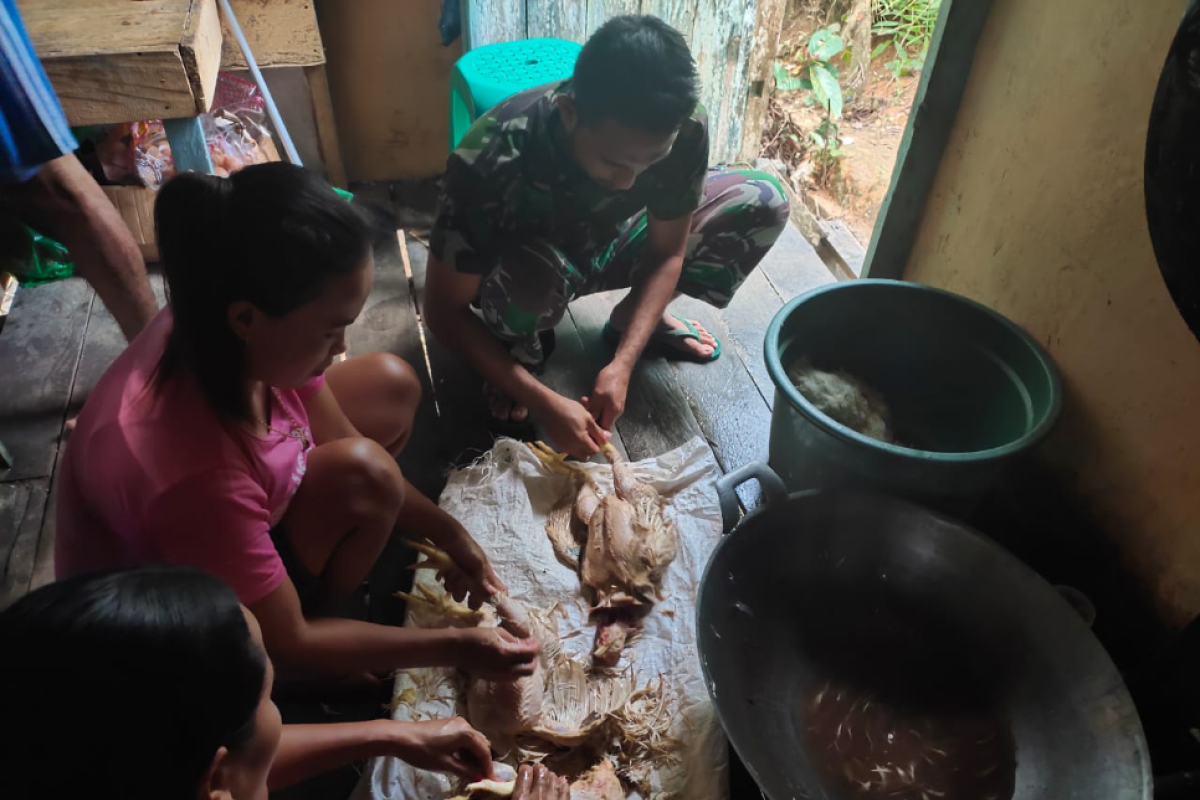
(772, 487)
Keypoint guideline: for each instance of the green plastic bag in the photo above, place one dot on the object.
(48, 261)
(32, 258)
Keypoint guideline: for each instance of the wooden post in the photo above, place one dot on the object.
(188, 148)
(326, 123)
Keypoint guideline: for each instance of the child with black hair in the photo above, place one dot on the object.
(152, 684)
(227, 438)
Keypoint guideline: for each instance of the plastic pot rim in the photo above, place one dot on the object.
(784, 384)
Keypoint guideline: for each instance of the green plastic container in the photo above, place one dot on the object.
(486, 75)
(967, 389)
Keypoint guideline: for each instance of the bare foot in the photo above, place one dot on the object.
(502, 407)
(69, 425)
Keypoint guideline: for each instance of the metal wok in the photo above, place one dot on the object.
(795, 594)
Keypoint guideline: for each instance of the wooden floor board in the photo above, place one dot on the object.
(39, 353)
(22, 511)
(657, 415)
(735, 418)
(793, 266)
(462, 425)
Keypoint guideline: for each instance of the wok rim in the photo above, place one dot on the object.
(1136, 737)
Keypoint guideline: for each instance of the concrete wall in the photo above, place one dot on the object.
(1037, 210)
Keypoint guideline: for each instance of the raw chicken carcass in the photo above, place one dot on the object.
(559, 703)
(627, 548)
(598, 783)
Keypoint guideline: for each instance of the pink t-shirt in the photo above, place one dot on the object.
(153, 476)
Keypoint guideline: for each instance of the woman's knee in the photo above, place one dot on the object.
(399, 384)
(369, 478)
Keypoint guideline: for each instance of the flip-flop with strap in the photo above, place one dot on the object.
(662, 343)
(522, 431)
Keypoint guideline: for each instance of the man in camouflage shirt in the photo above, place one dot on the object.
(600, 182)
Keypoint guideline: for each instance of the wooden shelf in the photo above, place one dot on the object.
(121, 60)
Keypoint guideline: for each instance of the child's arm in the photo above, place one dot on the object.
(442, 745)
(335, 646)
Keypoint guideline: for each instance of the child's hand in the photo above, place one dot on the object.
(474, 578)
(441, 745)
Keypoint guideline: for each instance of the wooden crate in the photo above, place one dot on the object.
(121, 61)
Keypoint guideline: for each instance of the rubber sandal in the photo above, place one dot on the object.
(662, 342)
(522, 431)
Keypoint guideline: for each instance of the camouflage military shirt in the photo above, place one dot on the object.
(513, 178)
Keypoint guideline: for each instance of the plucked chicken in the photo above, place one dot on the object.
(559, 703)
(624, 551)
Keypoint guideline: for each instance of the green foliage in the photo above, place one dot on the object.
(812, 70)
(906, 26)
(826, 150)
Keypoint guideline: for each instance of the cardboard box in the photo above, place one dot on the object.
(136, 205)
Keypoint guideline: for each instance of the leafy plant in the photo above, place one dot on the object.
(813, 70)
(826, 150)
(907, 27)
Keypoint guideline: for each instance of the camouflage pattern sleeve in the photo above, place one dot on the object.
(679, 188)
(462, 230)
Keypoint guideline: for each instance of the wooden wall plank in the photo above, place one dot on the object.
(490, 21)
(760, 75)
(389, 77)
(557, 19)
(600, 11)
(722, 43)
(679, 14)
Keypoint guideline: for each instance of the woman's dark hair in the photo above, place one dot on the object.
(123, 685)
(272, 235)
(636, 70)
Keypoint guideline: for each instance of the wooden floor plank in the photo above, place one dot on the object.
(462, 424)
(571, 370)
(734, 416)
(22, 510)
(746, 320)
(657, 415)
(39, 353)
(793, 266)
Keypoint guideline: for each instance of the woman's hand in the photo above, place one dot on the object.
(441, 745)
(572, 428)
(539, 783)
(495, 653)
(474, 580)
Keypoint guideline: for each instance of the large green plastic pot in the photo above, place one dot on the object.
(968, 391)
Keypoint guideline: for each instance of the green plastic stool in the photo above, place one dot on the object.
(485, 76)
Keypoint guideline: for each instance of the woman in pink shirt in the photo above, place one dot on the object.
(226, 438)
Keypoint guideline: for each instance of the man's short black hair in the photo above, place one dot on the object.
(637, 71)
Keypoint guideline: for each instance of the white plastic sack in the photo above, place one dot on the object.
(503, 500)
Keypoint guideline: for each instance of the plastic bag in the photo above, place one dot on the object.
(139, 152)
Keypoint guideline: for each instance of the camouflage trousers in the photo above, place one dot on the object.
(741, 216)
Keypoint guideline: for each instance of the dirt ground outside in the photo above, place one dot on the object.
(870, 129)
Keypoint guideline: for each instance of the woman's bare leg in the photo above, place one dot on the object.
(343, 513)
(379, 394)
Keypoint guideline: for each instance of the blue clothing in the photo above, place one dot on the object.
(33, 127)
